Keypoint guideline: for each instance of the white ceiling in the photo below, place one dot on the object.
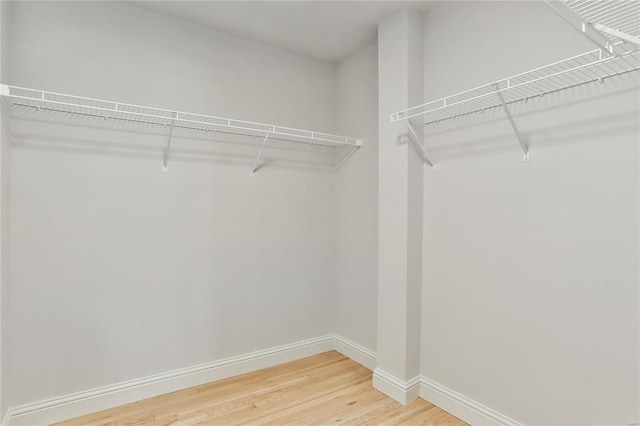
(327, 30)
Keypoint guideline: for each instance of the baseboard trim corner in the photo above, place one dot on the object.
(460, 406)
(6, 418)
(403, 392)
(356, 352)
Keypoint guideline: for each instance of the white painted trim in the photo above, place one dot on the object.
(359, 354)
(449, 400)
(81, 403)
(460, 406)
(403, 392)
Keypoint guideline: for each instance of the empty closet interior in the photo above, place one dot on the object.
(446, 192)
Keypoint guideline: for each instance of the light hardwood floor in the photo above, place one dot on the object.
(324, 389)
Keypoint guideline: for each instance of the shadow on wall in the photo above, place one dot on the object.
(77, 134)
(588, 112)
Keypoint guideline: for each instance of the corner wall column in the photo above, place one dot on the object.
(400, 191)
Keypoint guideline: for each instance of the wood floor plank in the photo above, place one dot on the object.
(221, 386)
(292, 404)
(352, 407)
(324, 389)
(400, 413)
(261, 402)
(209, 397)
(314, 407)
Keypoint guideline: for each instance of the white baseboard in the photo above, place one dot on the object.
(403, 392)
(358, 353)
(81, 403)
(460, 406)
(451, 401)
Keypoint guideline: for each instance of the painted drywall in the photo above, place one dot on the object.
(415, 191)
(530, 290)
(120, 271)
(106, 50)
(4, 215)
(399, 201)
(2, 234)
(5, 154)
(356, 198)
(4, 39)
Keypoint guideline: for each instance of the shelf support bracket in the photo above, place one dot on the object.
(165, 157)
(586, 29)
(255, 163)
(523, 145)
(616, 33)
(417, 141)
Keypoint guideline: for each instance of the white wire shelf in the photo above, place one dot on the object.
(612, 25)
(575, 71)
(619, 15)
(40, 100)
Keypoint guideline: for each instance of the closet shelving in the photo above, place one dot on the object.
(230, 130)
(616, 20)
(613, 25)
(565, 74)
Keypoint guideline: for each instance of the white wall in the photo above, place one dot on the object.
(398, 207)
(4, 38)
(4, 216)
(107, 50)
(356, 195)
(119, 270)
(4, 267)
(530, 294)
